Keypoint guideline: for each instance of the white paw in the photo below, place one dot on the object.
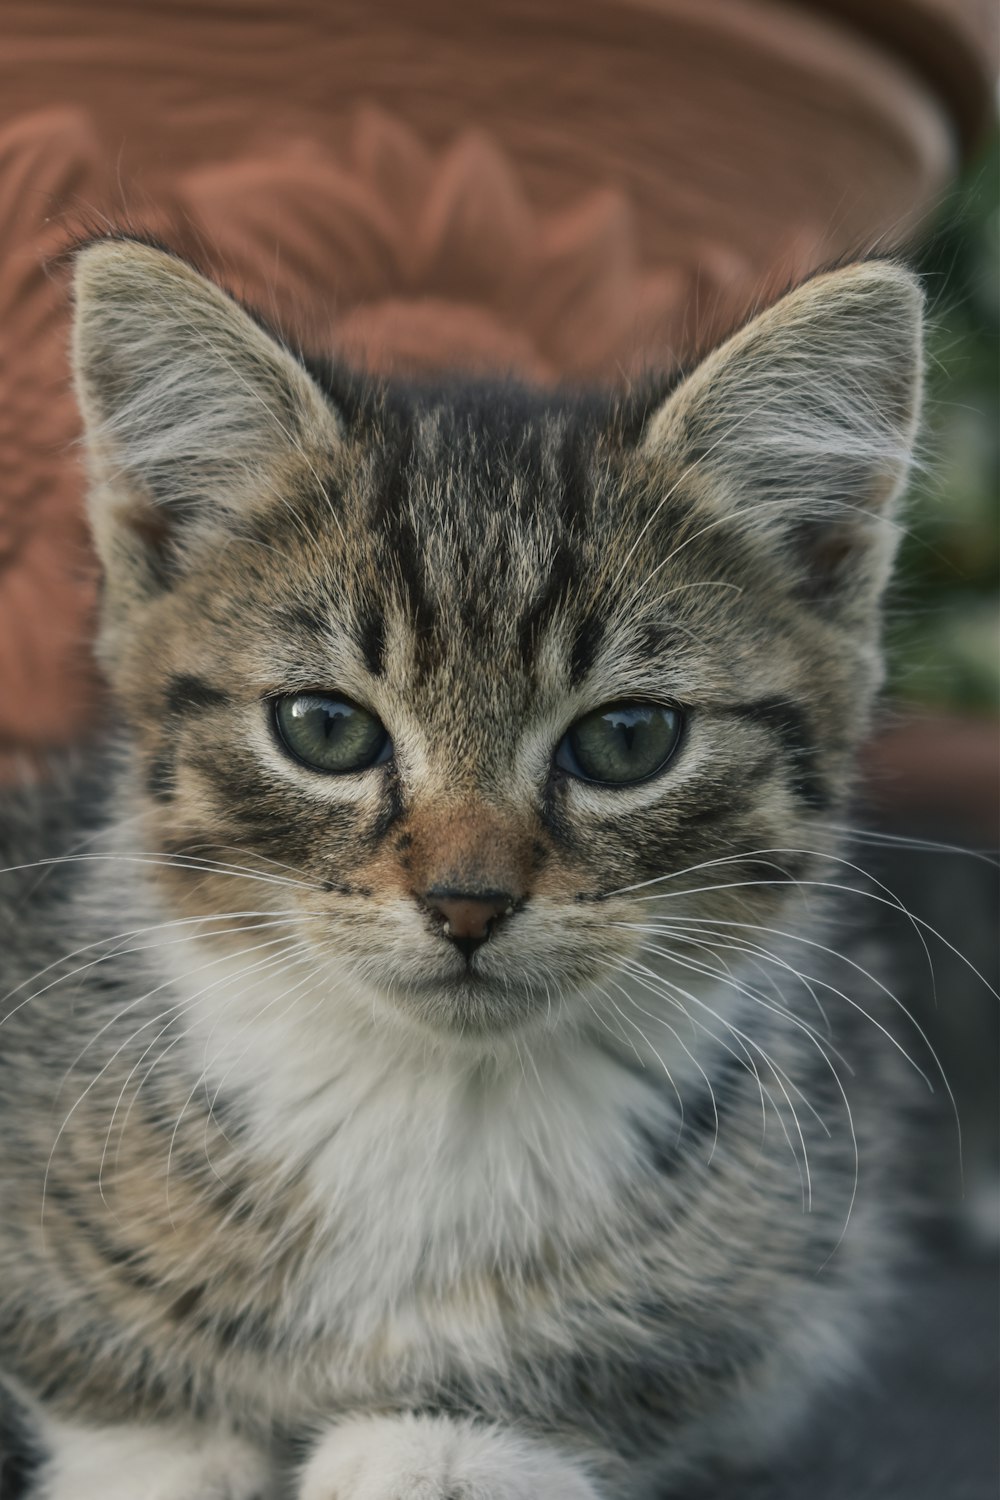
(434, 1458)
(150, 1463)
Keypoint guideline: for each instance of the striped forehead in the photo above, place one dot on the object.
(478, 536)
(486, 547)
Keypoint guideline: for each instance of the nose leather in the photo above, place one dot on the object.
(469, 916)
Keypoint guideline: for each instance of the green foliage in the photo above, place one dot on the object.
(945, 622)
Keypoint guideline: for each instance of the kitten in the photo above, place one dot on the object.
(424, 1075)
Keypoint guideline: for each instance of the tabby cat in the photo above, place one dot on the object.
(433, 1061)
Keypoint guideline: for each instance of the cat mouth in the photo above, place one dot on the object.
(470, 982)
(469, 1000)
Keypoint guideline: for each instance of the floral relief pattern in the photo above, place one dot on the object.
(427, 261)
(47, 162)
(398, 258)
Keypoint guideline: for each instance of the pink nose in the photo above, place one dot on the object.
(468, 916)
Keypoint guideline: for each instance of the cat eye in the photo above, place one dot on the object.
(621, 743)
(330, 734)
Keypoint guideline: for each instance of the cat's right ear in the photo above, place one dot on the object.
(195, 418)
(798, 432)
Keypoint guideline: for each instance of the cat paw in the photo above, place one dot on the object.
(434, 1458)
(140, 1463)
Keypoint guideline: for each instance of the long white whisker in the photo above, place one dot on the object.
(779, 1073)
(701, 923)
(82, 1096)
(797, 937)
(291, 989)
(891, 898)
(899, 840)
(727, 978)
(172, 1014)
(656, 985)
(124, 952)
(165, 861)
(156, 947)
(669, 1076)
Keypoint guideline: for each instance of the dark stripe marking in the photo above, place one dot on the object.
(186, 694)
(391, 811)
(369, 632)
(788, 723)
(309, 618)
(586, 644)
(21, 1454)
(669, 1156)
(391, 516)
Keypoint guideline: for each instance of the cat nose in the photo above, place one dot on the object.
(468, 916)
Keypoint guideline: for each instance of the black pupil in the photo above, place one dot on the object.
(330, 720)
(629, 730)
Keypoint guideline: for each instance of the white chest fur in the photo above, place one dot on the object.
(427, 1167)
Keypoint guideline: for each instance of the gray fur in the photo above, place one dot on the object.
(278, 1170)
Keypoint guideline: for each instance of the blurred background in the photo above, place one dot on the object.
(565, 189)
(947, 626)
(568, 189)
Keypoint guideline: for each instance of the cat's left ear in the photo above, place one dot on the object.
(195, 417)
(798, 432)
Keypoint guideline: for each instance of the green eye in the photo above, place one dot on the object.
(330, 734)
(620, 743)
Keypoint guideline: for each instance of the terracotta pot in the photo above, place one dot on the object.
(939, 773)
(564, 188)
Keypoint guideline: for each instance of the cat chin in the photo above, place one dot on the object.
(514, 996)
(470, 1006)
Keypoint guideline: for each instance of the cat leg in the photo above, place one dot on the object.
(148, 1463)
(438, 1458)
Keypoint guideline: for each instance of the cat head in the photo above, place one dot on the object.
(504, 691)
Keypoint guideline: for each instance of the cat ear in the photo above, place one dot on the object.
(799, 430)
(193, 415)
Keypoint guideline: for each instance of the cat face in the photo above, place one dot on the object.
(508, 691)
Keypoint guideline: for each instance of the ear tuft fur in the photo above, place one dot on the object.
(188, 405)
(800, 428)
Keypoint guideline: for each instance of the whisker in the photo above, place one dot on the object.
(292, 989)
(892, 898)
(902, 841)
(318, 975)
(726, 977)
(855, 1005)
(631, 1000)
(669, 1076)
(656, 985)
(166, 861)
(797, 937)
(82, 1096)
(781, 1011)
(821, 1046)
(779, 1073)
(173, 1014)
(619, 1035)
(124, 952)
